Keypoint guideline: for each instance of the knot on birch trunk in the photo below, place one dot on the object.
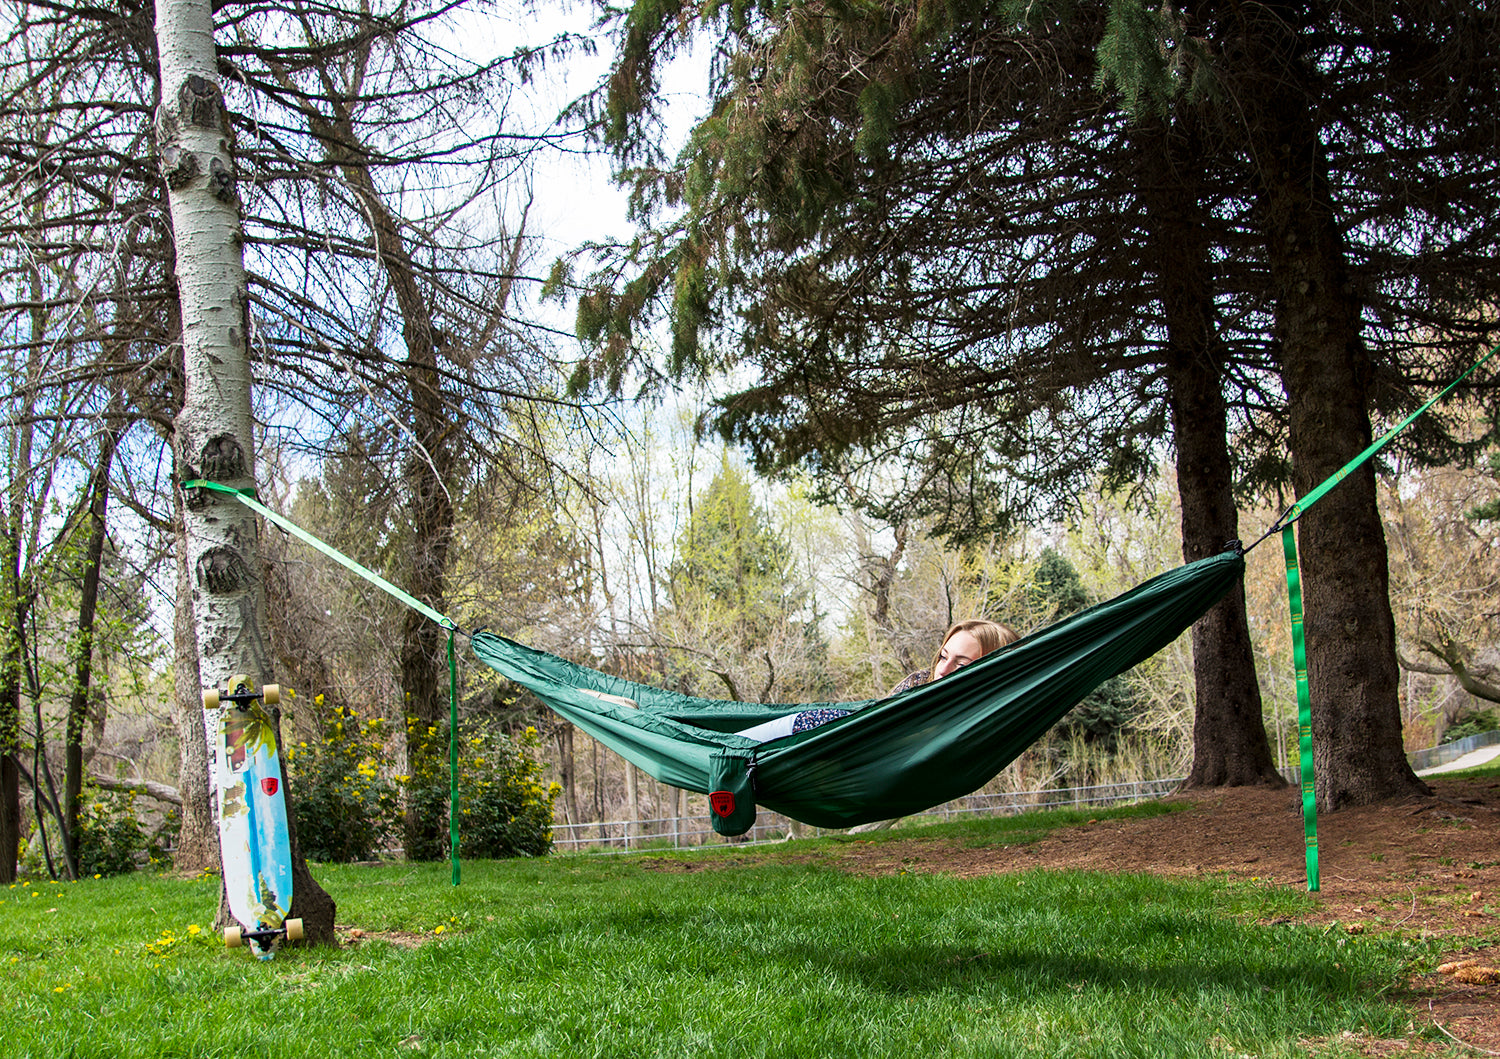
(199, 102)
(223, 458)
(222, 570)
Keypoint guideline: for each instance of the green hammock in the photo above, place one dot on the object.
(893, 756)
(890, 757)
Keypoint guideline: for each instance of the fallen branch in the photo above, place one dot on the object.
(150, 788)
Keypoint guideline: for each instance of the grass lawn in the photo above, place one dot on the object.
(770, 953)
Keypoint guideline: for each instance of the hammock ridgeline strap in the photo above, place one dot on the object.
(247, 497)
(1298, 509)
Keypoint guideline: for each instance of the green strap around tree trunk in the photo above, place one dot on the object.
(1294, 600)
(248, 498)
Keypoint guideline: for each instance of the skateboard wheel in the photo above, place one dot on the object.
(293, 926)
(232, 938)
(211, 699)
(270, 694)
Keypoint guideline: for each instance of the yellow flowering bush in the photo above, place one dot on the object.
(111, 839)
(346, 808)
(505, 808)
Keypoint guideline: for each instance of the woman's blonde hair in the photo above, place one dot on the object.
(992, 635)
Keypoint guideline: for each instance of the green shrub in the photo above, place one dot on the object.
(110, 837)
(426, 791)
(1476, 723)
(344, 804)
(505, 809)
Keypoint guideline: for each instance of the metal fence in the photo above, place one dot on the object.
(696, 831)
(693, 831)
(1441, 755)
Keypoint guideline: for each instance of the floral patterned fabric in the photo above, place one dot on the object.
(921, 676)
(812, 718)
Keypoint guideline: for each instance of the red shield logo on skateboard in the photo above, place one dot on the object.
(269, 785)
(722, 802)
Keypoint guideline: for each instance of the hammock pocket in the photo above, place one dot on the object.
(890, 757)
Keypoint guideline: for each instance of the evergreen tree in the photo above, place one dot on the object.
(1106, 712)
(730, 553)
(1016, 240)
(736, 610)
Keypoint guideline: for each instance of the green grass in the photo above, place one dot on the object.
(1488, 771)
(763, 953)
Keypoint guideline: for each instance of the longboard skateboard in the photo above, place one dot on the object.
(251, 807)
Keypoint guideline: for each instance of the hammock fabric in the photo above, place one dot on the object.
(890, 757)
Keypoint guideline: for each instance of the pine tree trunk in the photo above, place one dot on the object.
(1230, 748)
(1358, 752)
(214, 433)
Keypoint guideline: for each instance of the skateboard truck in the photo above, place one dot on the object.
(236, 936)
(239, 692)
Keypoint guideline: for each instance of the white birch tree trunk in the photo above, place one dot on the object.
(214, 437)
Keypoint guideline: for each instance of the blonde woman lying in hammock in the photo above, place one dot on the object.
(964, 642)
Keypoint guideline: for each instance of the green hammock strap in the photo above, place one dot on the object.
(1294, 600)
(248, 498)
(1297, 510)
(1304, 706)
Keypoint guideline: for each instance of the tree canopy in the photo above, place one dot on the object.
(999, 239)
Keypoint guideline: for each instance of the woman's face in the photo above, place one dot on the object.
(960, 649)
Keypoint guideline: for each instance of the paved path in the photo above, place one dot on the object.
(1473, 759)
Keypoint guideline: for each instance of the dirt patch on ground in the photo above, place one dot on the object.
(353, 937)
(1427, 866)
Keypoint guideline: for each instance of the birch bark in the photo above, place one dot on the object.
(214, 434)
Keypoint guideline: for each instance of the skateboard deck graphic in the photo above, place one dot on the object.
(253, 841)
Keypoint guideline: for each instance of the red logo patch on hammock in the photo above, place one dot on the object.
(722, 802)
(269, 785)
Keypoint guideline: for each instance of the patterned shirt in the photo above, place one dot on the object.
(921, 676)
(813, 718)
